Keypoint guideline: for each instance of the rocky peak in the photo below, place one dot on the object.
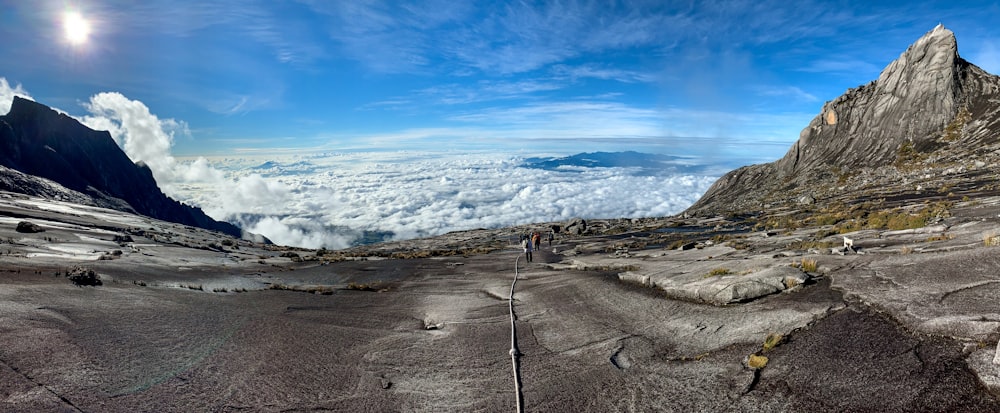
(914, 97)
(906, 110)
(932, 56)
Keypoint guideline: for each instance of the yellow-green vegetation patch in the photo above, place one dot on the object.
(895, 218)
(718, 272)
(953, 131)
(771, 341)
(757, 362)
(806, 245)
(941, 237)
(908, 158)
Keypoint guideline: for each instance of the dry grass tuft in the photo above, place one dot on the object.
(990, 239)
(809, 265)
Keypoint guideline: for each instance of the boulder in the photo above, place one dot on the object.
(577, 226)
(29, 227)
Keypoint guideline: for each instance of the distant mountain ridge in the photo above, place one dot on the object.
(36, 140)
(929, 107)
(649, 163)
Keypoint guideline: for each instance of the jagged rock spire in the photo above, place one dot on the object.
(914, 98)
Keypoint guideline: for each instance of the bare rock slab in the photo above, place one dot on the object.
(996, 357)
(736, 288)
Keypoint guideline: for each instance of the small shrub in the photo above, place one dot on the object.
(375, 286)
(80, 276)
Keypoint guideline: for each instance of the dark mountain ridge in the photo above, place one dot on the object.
(36, 140)
(929, 110)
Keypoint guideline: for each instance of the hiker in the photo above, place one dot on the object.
(537, 239)
(551, 237)
(526, 244)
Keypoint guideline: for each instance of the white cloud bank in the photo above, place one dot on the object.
(7, 94)
(338, 200)
(331, 201)
(146, 138)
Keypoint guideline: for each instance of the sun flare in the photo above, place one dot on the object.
(76, 28)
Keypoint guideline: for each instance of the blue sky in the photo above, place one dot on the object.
(732, 78)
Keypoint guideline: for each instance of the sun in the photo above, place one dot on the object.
(75, 28)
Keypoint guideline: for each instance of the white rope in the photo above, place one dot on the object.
(514, 353)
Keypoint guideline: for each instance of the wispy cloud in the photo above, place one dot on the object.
(603, 72)
(390, 37)
(487, 90)
(275, 26)
(498, 38)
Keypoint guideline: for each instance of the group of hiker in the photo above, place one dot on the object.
(532, 242)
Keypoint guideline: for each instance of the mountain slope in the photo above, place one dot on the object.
(928, 107)
(36, 140)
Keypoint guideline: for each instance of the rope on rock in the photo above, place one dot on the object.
(514, 353)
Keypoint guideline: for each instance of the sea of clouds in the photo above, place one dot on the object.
(336, 200)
